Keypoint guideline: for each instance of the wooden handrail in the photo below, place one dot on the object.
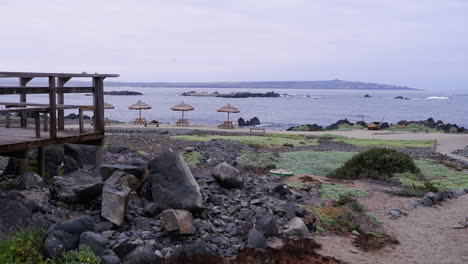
(44, 90)
(53, 74)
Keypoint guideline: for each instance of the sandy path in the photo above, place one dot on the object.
(426, 235)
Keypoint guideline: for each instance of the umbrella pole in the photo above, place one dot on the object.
(228, 116)
(140, 113)
(182, 114)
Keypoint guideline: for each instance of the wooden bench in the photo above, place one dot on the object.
(257, 129)
(156, 124)
(226, 125)
(182, 122)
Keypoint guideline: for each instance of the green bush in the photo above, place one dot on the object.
(260, 161)
(193, 158)
(375, 163)
(23, 246)
(84, 255)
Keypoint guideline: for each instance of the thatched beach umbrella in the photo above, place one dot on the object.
(139, 106)
(228, 109)
(91, 107)
(108, 106)
(182, 107)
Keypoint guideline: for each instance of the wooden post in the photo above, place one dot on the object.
(23, 82)
(98, 84)
(23, 161)
(80, 120)
(7, 119)
(61, 100)
(37, 118)
(46, 121)
(53, 108)
(40, 162)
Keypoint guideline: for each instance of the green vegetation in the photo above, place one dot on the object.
(25, 247)
(413, 128)
(83, 255)
(442, 177)
(4, 185)
(346, 127)
(273, 140)
(314, 162)
(375, 163)
(300, 128)
(364, 142)
(338, 192)
(261, 161)
(193, 158)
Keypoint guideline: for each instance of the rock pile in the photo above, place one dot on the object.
(220, 150)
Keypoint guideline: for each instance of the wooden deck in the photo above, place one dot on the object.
(17, 138)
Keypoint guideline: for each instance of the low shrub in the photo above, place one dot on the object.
(193, 158)
(375, 163)
(257, 161)
(23, 246)
(84, 255)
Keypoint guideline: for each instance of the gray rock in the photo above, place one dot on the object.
(122, 249)
(228, 176)
(29, 181)
(178, 220)
(13, 214)
(428, 199)
(267, 225)
(109, 257)
(172, 183)
(78, 225)
(106, 170)
(76, 187)
(141, 255)
(124, 179)
(114, 203)
(256, 239)
(70, 165)
(296, 227)
(54, 157)
(96, 242)
(151, 209)
(58, 242)
(82, 154)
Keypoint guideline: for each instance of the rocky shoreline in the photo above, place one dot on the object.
(231, 95)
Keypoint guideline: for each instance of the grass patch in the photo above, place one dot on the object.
(83, 255)
(314, 162)
(346, 127)
(375, 163)
(442, 177)
(364, 142)
(193, 158)
(257, 161)
(338, 192)
(413, 128)
(273, 140)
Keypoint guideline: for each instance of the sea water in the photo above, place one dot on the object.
(297, 106)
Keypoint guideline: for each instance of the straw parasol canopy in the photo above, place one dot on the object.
(228, 109)
(139, 106)
(91, 107)
(108, 106)
(182, 107)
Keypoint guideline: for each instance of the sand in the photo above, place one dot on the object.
(426, 235)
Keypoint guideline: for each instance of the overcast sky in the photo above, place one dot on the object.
(417, 43)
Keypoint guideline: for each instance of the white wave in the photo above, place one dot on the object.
(437, 98)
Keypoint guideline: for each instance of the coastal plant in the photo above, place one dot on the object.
(83, 255)
(442, 177)
(367, 142)
(23, 246)
(375, 163)
(337, 192)
(254, 160)
(413, 128)
(193, 158)
(314, 162)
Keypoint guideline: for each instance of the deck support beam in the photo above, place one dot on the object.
(41, 161)
(98, 103)
(53, 108)
(61, 100)
(23, 81)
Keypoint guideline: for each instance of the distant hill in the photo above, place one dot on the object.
(333, 84)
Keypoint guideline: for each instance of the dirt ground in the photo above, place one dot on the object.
(426, 235)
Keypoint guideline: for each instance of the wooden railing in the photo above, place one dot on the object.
(56, 90)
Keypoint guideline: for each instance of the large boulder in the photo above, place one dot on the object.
(53, 158)
(28, 181)
(256, 239)
(255, 121)
(109, 257)
(138, 170)
(76, 187)
(82, 154)
(124, 179)
(296, 227)
(228, 176)
(266, 224)
(140, 255)
(178, 220)
(241, 122)
(172, 183)
(114, 203)
(58, 242)
(13, 214)
(78, 225)
(96, 242)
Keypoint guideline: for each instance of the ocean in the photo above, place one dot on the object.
(298, 106)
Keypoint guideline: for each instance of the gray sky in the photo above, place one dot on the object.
(418, 43)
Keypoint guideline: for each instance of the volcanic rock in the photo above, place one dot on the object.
(228, 176)
(76, 187)
(296, 227)
(96, 242)
(58, 242)
(114, 203)
(178, 220)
